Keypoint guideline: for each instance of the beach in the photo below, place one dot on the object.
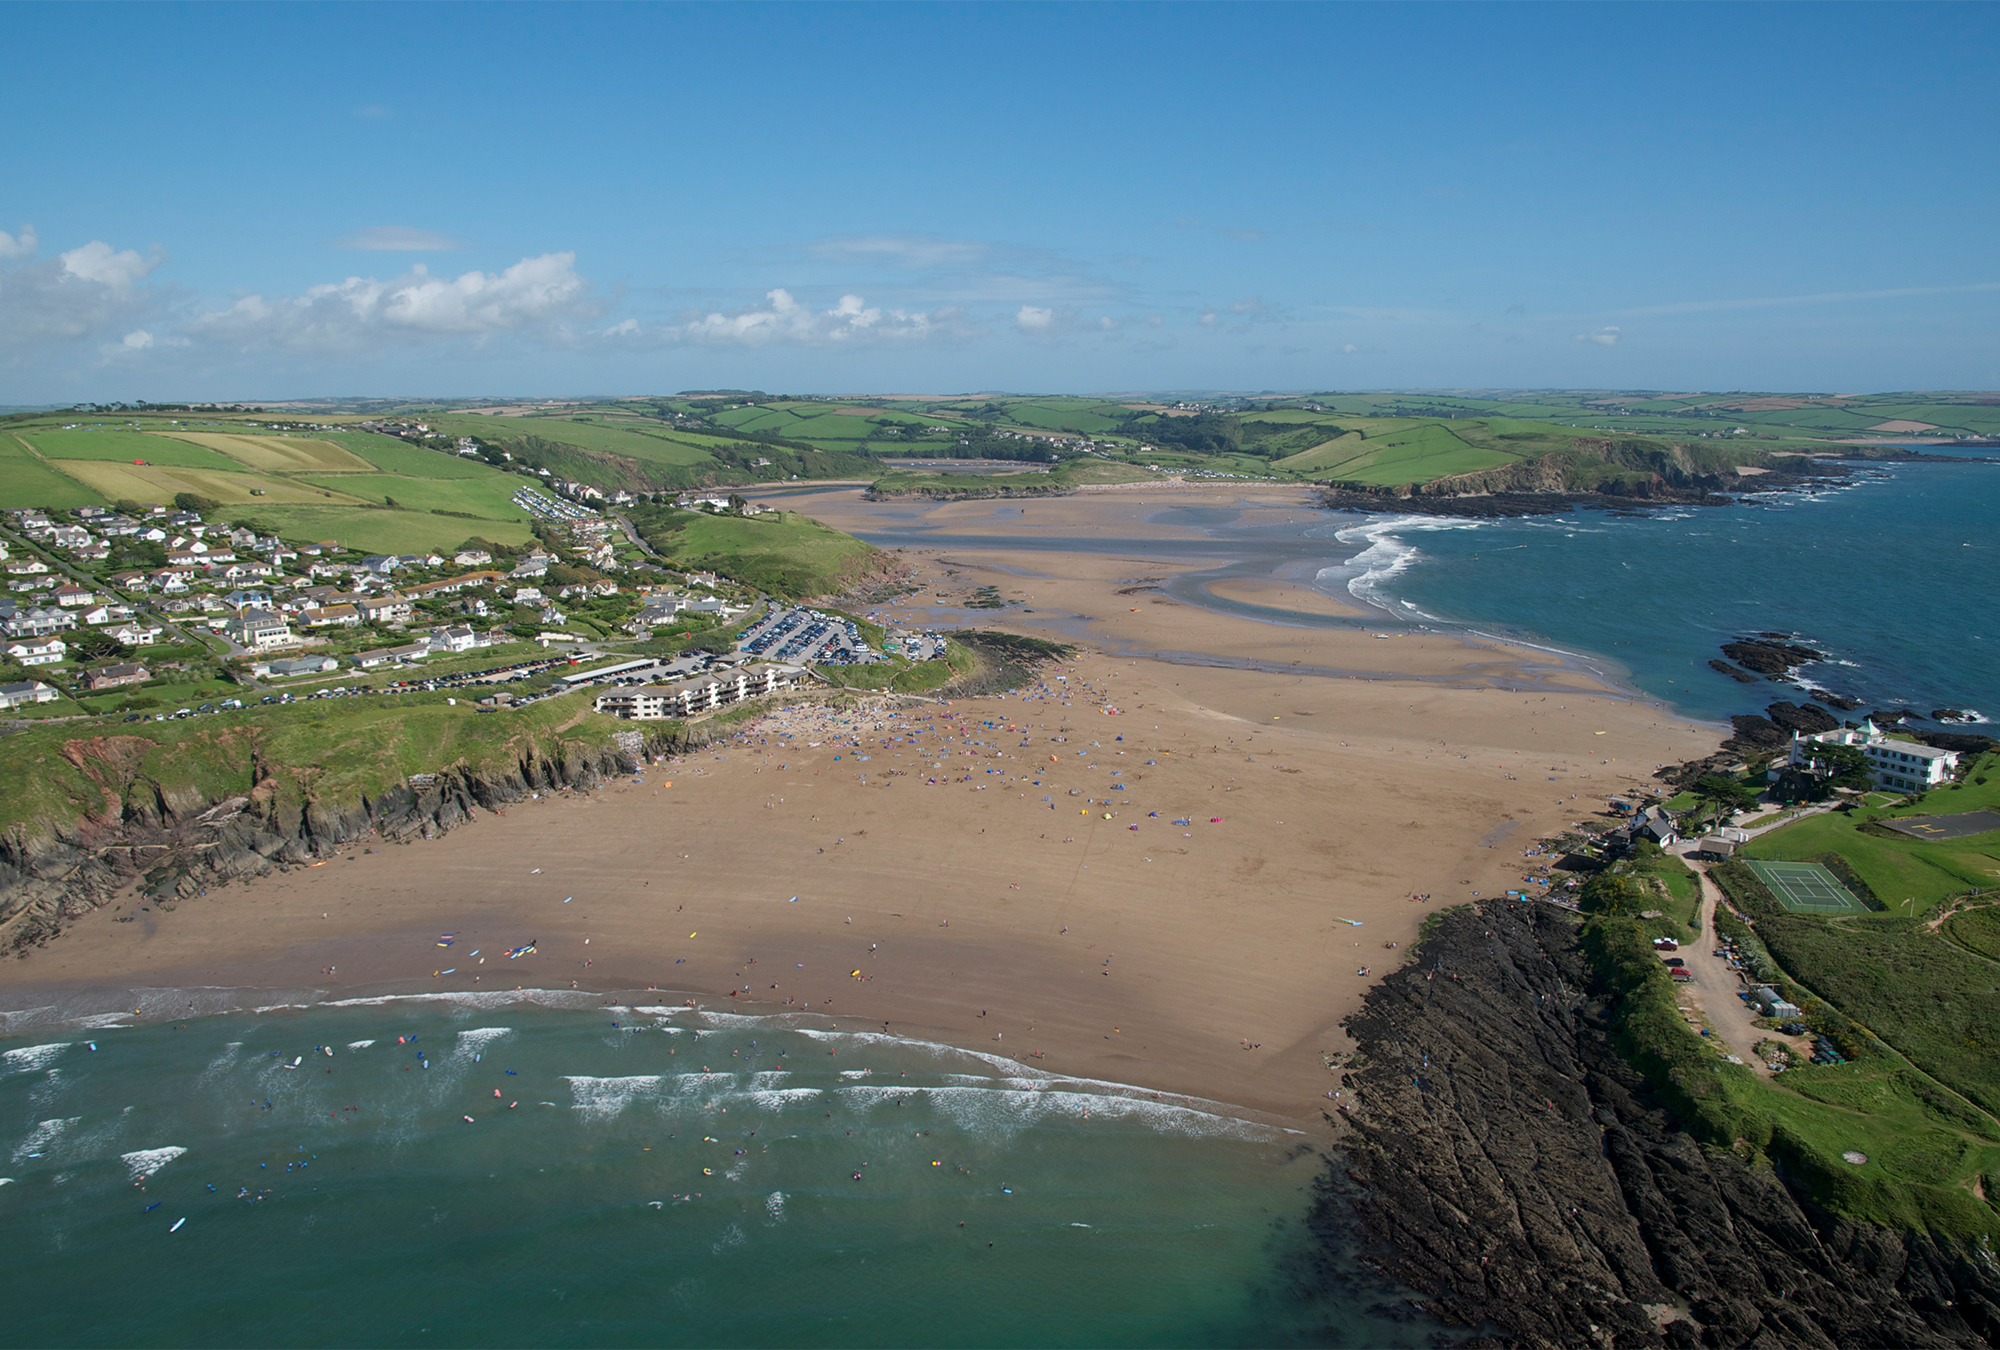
(1179, 874)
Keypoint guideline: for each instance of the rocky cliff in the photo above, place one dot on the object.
(1516, 1171)
(175, 840)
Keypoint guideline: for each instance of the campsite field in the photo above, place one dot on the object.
(123, 447)
(276, 454)
(387, 531)
(489, 497)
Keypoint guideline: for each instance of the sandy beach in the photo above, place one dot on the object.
(1172, 874)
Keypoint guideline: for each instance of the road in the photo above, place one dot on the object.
(1715, 983)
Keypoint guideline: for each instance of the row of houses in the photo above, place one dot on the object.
(700, 694)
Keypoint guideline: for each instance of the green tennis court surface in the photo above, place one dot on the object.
(1807, 888)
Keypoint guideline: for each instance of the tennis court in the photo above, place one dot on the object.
(1807, 888)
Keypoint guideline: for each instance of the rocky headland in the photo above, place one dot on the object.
(1512, 1168)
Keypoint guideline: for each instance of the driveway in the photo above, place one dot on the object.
(1715, 984)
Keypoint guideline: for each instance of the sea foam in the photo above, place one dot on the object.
(142, 1163)
(32, 1057)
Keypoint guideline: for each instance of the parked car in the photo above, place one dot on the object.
(1675, 962)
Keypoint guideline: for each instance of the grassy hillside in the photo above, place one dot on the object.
(309, 487)
(336, 750)
(781, 552)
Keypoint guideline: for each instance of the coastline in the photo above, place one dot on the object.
(1216, 959)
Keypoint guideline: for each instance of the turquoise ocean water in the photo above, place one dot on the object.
(1894, 575)
(645, 1176)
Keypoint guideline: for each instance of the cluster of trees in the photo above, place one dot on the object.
(1206, 433)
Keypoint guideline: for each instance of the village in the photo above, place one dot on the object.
(128, 611)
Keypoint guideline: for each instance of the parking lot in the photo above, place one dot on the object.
(808, 635)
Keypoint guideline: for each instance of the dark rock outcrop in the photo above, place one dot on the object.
(1758, 733)
(1520, 1175)
(1741, 677)
(177, 844)
(1806, 719)
(1965, 743)
(1767, 657)
(1832, 700)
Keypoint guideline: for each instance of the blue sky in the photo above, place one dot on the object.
(293, 200)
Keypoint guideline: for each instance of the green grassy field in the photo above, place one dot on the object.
(391, 455)
(1409, 453)
(489, 497)
(1925, 1144)
(785, 553)
(383, 531)
(26, 480)
(629, 440)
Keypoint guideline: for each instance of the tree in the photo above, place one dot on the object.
(736, 502)
(195, 502)
(99, 647)
(1726, 794)
(1611, 893)
(1848, 767)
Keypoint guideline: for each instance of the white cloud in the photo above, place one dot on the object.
(97, 261)
(397, 238)
(540, 293)
(1034, 319)
(1603, 337)
(783, 319)
(22, 245)
(138, 339)
(86, 292)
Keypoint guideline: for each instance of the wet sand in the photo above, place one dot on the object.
(1214, 958)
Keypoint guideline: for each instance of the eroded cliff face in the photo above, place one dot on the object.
(1515, 1170)
(176, 841)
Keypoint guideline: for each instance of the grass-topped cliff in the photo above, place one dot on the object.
(335, 750)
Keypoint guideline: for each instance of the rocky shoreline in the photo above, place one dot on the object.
(174, 845)
(1511, 1167)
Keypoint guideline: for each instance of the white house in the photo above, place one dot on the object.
(38, 651)
(1903, 766)
(257, 629)
(29, 691)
